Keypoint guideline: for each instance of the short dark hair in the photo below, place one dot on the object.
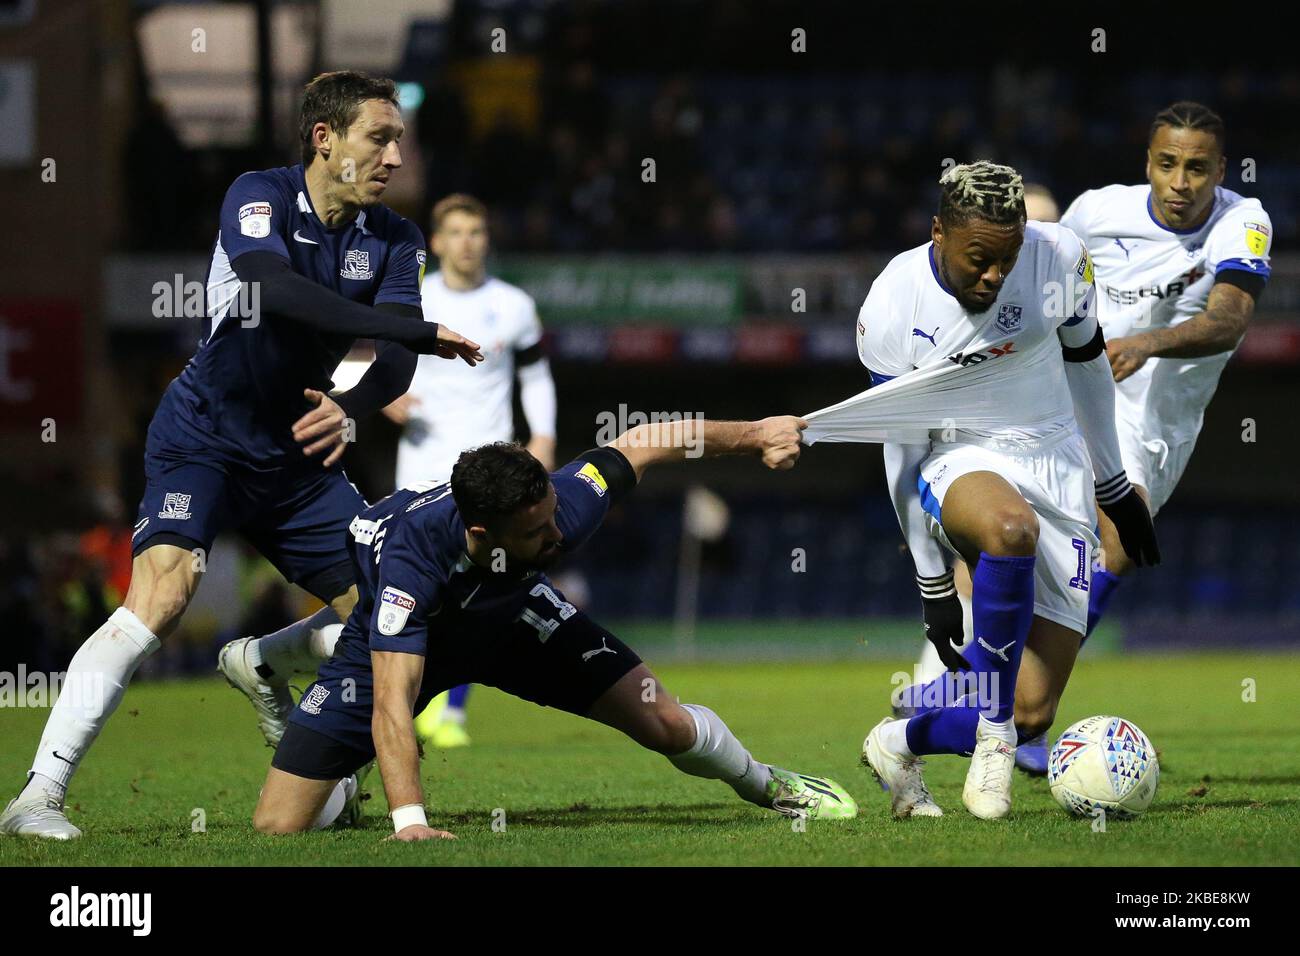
(1186, 114)
(494, 481)
(981, 190)
(336, 98)
(456, 202)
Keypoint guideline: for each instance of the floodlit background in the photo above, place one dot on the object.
(123, 123)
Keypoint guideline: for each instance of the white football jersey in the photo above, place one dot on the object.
(462, 407)
(1150, 276)
(910, 320)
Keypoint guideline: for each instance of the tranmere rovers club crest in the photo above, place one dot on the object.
(1009, 318)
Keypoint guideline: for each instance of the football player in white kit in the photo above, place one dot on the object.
(1180, 263)
(1031, 755)
(442, 415)
(1015, 500)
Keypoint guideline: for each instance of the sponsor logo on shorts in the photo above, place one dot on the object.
(395, 607)
(592, 476)
(139, 526)
(312, 700)
(176, 506)
(356, 265)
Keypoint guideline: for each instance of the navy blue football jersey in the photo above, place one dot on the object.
(416, 584)
(243, 389)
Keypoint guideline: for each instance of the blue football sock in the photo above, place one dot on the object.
(950, 730)
(1003, 609)
(1003, 602)
(457, 696)
(1099, 594)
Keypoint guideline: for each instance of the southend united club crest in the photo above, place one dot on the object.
(1009, 318)
(356, 265)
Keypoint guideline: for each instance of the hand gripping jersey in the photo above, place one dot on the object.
(911, 321)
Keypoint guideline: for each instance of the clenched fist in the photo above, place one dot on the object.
(780, 438)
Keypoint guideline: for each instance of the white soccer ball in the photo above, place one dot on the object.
(1104, 762)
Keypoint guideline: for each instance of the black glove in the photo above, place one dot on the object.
(1128, 512)
(943, 619)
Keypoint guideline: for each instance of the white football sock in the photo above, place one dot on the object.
(93, 687)
(344, 789)
(298, 648)
(928, 666)
(893, 737)
(1004, 730)
(718, 755)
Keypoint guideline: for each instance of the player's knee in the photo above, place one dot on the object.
(1035, 716)
(672, 731)
(1012, 531)
(271, 822)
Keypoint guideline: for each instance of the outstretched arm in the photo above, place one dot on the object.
(283, 292)
(775, 440)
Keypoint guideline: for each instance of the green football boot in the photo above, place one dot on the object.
(815, 798)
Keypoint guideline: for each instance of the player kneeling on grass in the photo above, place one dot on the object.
(453, 591)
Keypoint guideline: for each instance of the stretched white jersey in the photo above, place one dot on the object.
(462, 407)
(910, 320)
(1150, 276)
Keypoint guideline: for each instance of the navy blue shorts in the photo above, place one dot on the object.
(297, 516)
(328, 736)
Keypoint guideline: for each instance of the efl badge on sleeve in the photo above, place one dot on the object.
(394, 608)
(255, 219)
(1257, 238)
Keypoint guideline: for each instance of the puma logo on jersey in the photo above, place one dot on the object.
(604, 648)
(974, 358)
(1126, 249)
(1000, 652)
(918, 333)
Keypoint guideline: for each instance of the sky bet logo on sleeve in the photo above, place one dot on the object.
(1083, 268)
(592, 476)
(394, 608)
(255, 219)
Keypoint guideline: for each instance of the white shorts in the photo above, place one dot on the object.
(1158, 414)
(1055, 478)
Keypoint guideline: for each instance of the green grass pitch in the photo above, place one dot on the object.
(574, 792)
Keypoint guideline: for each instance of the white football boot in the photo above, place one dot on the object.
(987, 793)
(908, 794)
(272, 704)
(37, 815)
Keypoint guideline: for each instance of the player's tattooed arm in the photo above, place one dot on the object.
(775, 440)
(1218, 329)
(397, 682)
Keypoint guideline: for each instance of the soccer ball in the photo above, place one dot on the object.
(1104, 762)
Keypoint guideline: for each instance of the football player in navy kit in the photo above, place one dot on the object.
(453, 590)
(247, 438)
